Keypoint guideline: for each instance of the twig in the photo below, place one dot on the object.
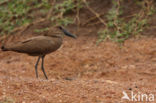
(51, 10)
(116, 18)
(77, 14)
(129, 16)
(77, 19)
(95, 13)
(91, 19)
(25, 27)
(98, 22)
(41, 20)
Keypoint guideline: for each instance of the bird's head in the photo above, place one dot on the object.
(66, 32)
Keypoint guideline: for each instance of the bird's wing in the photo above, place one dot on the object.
(26, 41)
(33, 45)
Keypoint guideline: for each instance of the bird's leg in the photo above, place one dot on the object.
(42, 67)
(36, 66)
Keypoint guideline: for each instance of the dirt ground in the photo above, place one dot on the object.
(81, 72)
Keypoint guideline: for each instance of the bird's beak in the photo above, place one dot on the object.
(67, 33)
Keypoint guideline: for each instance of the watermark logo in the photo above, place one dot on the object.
(140, 97)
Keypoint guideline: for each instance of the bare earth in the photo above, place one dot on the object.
(81, 72)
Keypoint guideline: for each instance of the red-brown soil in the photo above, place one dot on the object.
(81, 72)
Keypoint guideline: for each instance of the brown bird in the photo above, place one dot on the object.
(39, 46)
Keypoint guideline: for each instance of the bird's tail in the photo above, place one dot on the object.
(3, 48)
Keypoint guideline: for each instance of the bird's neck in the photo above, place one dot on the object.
(56, 35)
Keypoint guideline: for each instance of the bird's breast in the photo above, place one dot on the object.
(53, 45)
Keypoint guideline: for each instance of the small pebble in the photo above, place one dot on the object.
(67, 78)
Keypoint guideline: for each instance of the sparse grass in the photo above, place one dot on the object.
(120, 28)
(61, 11)
(65, 21)
(63, 8)
(16, 13)
(41, 30)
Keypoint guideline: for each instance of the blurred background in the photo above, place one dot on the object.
(115, 20)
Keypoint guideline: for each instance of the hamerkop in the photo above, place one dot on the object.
(39, 46)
